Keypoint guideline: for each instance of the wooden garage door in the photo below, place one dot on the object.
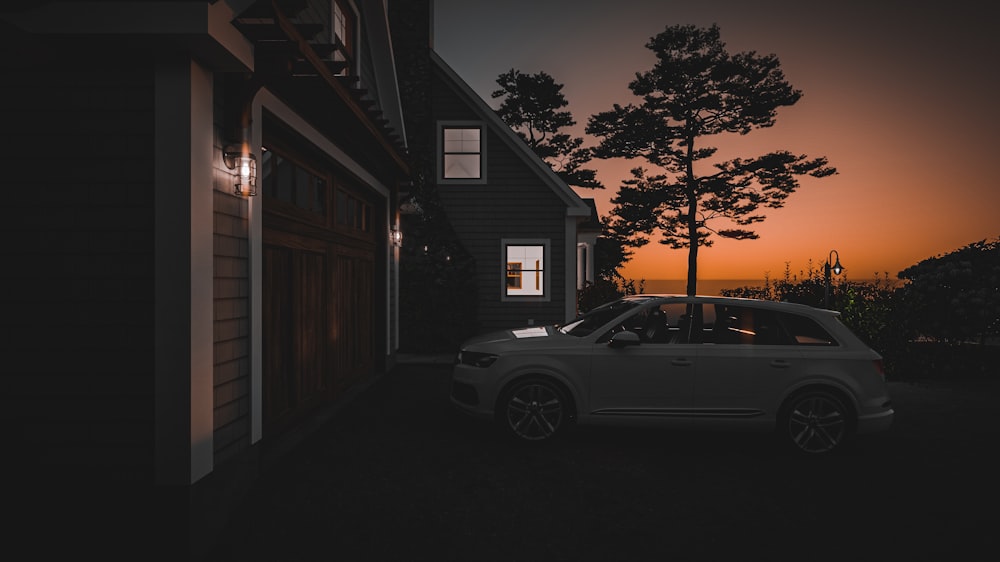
(296, 371)
(318, 290)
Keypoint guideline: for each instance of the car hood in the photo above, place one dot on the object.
(514, 337)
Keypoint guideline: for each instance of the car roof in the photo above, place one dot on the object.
(735, 301)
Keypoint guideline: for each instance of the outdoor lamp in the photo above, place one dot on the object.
(245, 164)
(396, 236)
(837, 270)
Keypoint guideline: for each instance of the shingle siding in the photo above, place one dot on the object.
(231, 412)
(514, 203)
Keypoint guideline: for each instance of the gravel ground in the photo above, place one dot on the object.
(397, 475)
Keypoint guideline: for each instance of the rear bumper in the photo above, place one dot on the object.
(873, 423)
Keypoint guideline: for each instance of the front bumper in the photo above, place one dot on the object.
(471, 391)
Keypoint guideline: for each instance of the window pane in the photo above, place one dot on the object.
(267, 181)
(527, 263)
(319, 195)
(283, 178)
(747, 325)
(461, 166)
(302, 188)
(461, 140)
(513, 275)
(805, 331)
(341, 204)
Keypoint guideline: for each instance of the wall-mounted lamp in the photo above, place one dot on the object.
(245, 164)
(396, 237)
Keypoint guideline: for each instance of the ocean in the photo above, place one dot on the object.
(711, 287)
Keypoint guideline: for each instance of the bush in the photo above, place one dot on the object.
(605, 290)
(870, 309)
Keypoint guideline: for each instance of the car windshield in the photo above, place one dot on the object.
(585, 324)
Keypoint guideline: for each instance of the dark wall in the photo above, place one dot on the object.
(76, 285)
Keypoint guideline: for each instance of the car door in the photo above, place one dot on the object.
(744, 363)
(651, 378)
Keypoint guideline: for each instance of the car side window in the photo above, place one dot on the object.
(665, 324)
(586, 324)
(806, 331)
(747, 325)
(635, 323)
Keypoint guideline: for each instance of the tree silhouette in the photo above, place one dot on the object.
(696, 89)
(955, 297)
(531, 107)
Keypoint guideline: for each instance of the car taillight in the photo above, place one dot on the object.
(879, 368)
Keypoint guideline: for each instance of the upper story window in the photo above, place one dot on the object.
(462, 152)
(344, 23)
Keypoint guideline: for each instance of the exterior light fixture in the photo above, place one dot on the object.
(245, 164)
(836, 268)
(396, 237)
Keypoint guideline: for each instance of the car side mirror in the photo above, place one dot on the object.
(624, 339)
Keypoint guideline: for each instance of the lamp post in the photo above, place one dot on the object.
(836, 268)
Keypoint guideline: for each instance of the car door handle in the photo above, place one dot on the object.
(780, 364)
(681, 362)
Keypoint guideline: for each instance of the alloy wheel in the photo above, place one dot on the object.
(817, 423)
(535, 411)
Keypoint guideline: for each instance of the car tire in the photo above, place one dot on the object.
(816, 422)
(534, 410)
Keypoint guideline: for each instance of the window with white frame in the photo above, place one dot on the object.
(461, 151)
(525, 268)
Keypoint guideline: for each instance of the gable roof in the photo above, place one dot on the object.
(575, 205)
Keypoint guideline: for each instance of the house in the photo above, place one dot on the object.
(200, 215)
(512, 213)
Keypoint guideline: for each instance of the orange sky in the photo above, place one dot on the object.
(899, 97)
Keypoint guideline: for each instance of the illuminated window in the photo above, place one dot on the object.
(461, 149)
(525, 268)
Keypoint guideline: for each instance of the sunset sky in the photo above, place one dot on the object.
(901, 97)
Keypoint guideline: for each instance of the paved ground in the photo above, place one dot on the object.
(397, 475)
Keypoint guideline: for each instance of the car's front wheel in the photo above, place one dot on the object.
(816, 422)
(534, 409)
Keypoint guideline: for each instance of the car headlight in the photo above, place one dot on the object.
(476, 359)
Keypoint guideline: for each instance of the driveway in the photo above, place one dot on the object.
(397, 475)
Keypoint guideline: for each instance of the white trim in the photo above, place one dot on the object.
(255, 210)
(387, 83)
(183, 282)
(569, 281)
(202, 275)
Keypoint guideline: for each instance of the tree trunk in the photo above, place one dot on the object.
(692, 277)
(692, 219)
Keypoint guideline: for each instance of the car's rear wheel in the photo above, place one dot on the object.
(534, 409)
(816, 422)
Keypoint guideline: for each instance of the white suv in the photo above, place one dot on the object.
(675, 360)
